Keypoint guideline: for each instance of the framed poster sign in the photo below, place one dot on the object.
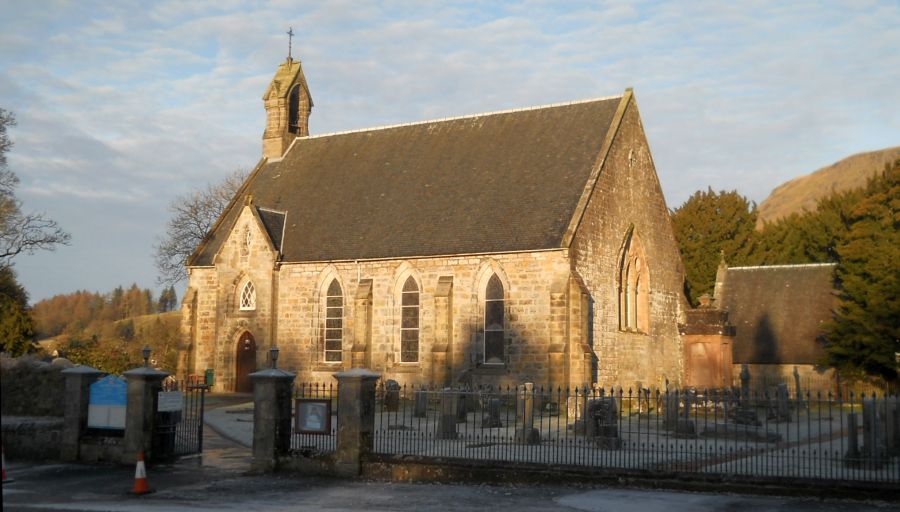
(313, 416)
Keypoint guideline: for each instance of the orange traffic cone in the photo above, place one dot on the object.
(140, 476)
(3, 456)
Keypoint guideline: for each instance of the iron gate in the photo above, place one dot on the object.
(180, 432)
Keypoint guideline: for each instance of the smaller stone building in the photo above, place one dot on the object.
(777, 312)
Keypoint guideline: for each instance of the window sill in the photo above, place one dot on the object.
(406, 367)
(332, 366)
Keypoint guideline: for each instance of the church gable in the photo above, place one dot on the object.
(250, 240)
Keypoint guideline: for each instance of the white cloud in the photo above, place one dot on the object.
(124, 105)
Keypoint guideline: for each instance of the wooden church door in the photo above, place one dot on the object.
(246, 363)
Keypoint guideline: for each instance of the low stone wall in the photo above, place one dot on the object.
(97, 448)
(32, 438)
(31, 387)
(429, 469)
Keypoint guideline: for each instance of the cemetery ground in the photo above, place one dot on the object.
(219, 480)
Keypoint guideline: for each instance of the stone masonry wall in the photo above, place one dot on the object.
(628, 194)
(300, 287)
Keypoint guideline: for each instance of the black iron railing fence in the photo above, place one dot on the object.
(711, 432)
(308, 444)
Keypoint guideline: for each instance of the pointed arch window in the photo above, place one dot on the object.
(248, 297)
(334, 322)
(494, 331)
(634, 290)
(409, 322)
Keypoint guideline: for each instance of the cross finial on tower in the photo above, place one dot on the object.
(290, 34)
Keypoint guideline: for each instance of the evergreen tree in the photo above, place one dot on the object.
(16, 326)
(864, 337)
(708, 226)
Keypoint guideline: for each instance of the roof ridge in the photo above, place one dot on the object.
(455, 118)
(794, 265)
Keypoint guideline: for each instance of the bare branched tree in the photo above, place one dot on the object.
(193, 215)
(20, 232)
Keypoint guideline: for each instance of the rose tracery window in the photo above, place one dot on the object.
(248, 297)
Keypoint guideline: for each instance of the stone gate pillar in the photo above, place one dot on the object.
(356, 419)
(144, 384)
(272, 393)
(75, 409)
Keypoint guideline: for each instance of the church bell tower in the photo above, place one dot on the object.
(288, 104)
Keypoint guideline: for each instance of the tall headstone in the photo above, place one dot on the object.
(798, 390)
(890, 413)
(670, 420)
(492, 419)
(873, 447)
(420, 406)
(745, 386)
(782, 403)
(447, 423)
(526, 433)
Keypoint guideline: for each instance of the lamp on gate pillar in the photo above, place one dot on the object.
(273, 352)
(146, 353)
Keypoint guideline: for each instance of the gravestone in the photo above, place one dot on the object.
(447, 424)
(853, 456)
(603, 423)
(391, 396)
(782, 403)
(492, 420)
(799, 392)
(890, 414)
(526, 433)
(685, 427)
(745, 414)
(670, 421)
(745, 386)
(420, 409)
(873, 445)
(462, 406)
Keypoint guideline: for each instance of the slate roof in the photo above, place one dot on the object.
(497, 182)
(778, 311)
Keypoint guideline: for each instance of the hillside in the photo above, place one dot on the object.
(116, 346)
(802, 193)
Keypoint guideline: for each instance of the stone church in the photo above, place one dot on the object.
(491, 249)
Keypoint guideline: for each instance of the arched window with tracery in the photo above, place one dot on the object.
(248, 297)
(634, 288)
(334, 322)
(494, 330)
(409, 322)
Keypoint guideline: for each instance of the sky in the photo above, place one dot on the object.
(124, 105)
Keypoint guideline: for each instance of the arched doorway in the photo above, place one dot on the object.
(246, 363)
